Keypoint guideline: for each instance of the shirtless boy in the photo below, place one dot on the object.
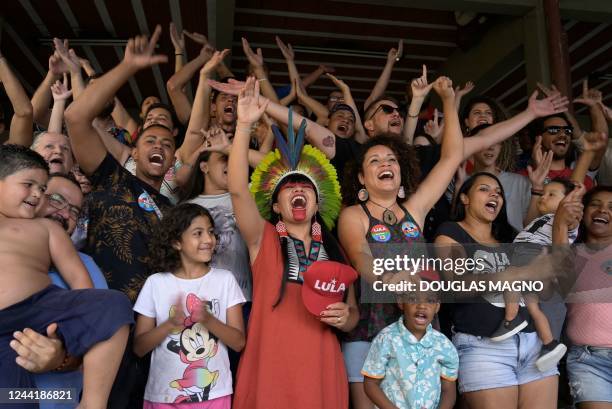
(91, 323)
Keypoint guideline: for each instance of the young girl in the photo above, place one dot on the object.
(188, 316)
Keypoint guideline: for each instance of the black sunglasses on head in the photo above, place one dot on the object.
(387, 109)
(553, 130)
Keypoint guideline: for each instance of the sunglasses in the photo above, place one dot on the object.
(387, 109)
(59, 202)
(553, 130)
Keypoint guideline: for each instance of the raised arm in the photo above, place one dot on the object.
(73, 63)
(311, 78)
(21, 124)
(222, 70)
(61, 93)
(360, 134)
(250, 222)
(200, 115)
(118, 150)
(501, 131)
(593, 143)
(42, 96)
(257, 63)
(461, 92)
(393, 56)
(420, 88)
(86, 144)
(176, 84)
(537, 176)
(178, 41)
(593, 99)
(123, 118)
(309, 102)
(436, 182)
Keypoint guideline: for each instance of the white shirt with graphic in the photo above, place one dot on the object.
(191, 365)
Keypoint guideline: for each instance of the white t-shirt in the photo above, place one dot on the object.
(232, 252)
(190, 366)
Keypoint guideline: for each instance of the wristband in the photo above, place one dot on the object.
(412, 116)
(537, 192)
(262, 80)
(178, 54)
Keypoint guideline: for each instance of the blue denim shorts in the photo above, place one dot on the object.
(590, 374)
(484, 364)
(355, 354)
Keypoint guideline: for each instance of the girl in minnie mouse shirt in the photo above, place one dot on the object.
(188, 317)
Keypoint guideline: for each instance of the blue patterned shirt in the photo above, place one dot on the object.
(411, 370)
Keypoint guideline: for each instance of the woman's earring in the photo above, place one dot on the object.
(401, 193)
(281, 229)
(315, 231)
(362, 195)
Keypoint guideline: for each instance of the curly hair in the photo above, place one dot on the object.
(162, 255)
(406, 155)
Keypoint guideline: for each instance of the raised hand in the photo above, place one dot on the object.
(86, 65)
(433, 127)
(443, 87)
(338, 83)
(68, 56)
(553, 104)
(207, 52)
(589, 97)
(232, 87)
(286, 50)
(57, 66)
(419, 86)
(607, 112)
(326, 69)
(177, 316)
(467, 88)
(60, 90)
(139, 52)
(542, 162)
(395, 54)
(178, 40)
(214, 61)
(548, 91)
(300, 90)
(256, 60)
(593, 141)
(197, 37)
(570, 209)
(251, 105)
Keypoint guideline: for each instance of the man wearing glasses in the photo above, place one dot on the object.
(557, 135)
(383, 117)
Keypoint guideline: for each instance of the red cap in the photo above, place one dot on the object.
(325, 283)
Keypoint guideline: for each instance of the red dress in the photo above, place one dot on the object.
(291, 360)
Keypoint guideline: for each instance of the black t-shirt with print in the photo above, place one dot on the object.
(484, 315)
(347, 150)
(122, 213)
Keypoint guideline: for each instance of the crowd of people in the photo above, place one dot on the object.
(218, 253)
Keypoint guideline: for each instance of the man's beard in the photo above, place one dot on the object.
(63, 222)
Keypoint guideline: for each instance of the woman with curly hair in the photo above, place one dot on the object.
(188, 314)
(386, 221)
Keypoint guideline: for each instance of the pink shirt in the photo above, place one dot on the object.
(590, 303)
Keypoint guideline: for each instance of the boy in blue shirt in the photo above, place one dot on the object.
(411, 365)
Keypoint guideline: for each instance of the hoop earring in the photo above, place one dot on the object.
(401, 193)
(363, 194)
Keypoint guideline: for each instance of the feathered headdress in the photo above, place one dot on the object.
(293, 157)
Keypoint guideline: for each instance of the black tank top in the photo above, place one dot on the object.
(373, 317)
